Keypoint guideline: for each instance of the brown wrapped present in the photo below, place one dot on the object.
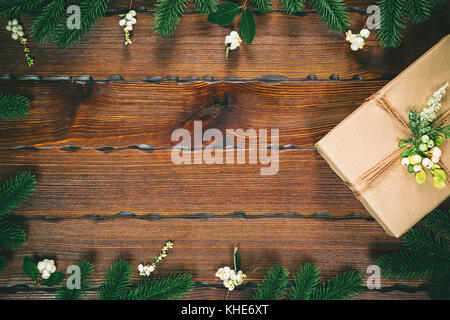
(363, 149)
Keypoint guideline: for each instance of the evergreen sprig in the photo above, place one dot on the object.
(173, 286)
(45, 25)
(13, 106)
(167, 16)
(274, 285)
(262, 6)
(206, 6)
(117, 281)
(3, 262)
(16, 8)
(333, 13)
(306, 285)
(86, 270)
(418, 10)
(293, 6)
(12, 236)
(425, 257)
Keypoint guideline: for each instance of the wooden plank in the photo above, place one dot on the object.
(203, 246)
(289, 46)
(91, 182)
(122, 114)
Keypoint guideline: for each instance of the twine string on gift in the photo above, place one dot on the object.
(369, 178)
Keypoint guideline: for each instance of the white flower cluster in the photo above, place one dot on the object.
(357, 41)
(46, 267)
(146, 270)
(230, 277)
(233, 41)
(418, 162)
(434, 104)
(127, 21)
(15, 28)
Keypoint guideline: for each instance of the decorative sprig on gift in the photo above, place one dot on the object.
(423, 147)
(17, 33)
(228, 12)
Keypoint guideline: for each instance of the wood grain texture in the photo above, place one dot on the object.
(200, 248)
(90, 182)
(122, 114)
(290, 46)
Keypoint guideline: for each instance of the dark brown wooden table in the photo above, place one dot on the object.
(98, 138)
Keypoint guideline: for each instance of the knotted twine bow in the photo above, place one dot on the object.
(369, 178)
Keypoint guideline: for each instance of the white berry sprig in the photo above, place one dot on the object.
(17, 34)
(46, 267)
(232, 42)
(127, 22)
(357, 41)
(146, 270)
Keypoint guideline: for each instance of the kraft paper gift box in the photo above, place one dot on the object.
(363, 149)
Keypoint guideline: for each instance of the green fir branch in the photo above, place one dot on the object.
(173, 286)
(12, 236)
(86, 270)
(13, 106)
(293, 6)
(15, 191)
(333, 13)
(440, 288)
(306, 280)
(262, 6)
(423, 242)
(393, 20)
(340, 287)
(18, 8)
(47, 22)
(3, 263)
(91, 11)
(274, 285)
(117, 281)
(167, 16)
(206, 6)
(439, 221)
(418, 10)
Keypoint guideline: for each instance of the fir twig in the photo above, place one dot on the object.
(418, 10)
(206, 6)
(340, 287)
(305, 281)
(15, 191)
(293, 6)
(174, 286)
(423, 242)
(12, 236)
(333, 13)
(13, 107)
(262, 6)
(393, 20)
(86, 270)
(167, 16)
(46, 23)
(274, 285)
(117, 281)
(439, 222)
(16, 8)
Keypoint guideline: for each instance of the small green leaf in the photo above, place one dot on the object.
(438, 183)
(402, 144)
(410, 168)
(406, 153)
(421, 176)
(439, 140)
(54, 279)
(248, 26)
(440, 174)
(237, 260)
(225, 14)
(30, 269)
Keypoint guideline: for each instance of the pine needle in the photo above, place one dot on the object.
(293, 6)
(333, 13)
(13, 107)
(12, 236)
(174, 286)
(167, 16)
(274, 285)
(393, 20)
(262, 6)
(117, 281)
(15, 191)
(305, 280)
(342, 286)
(206, 6)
